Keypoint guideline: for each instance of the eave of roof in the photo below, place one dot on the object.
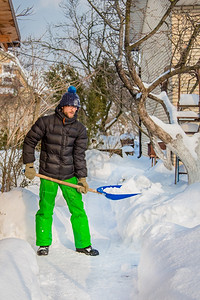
(9, 31)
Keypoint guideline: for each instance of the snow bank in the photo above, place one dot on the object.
(169, 263)
(17, 214)
(162, 226)
(137, 214)
(19, 270)
(115, 169)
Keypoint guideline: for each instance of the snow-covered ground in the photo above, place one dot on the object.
(149, 244)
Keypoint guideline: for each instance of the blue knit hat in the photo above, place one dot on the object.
(70, 98)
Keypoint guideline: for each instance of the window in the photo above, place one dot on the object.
(7, 69)
(7, 74)
(6, 80)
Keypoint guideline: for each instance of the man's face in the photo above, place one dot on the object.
(69, 111)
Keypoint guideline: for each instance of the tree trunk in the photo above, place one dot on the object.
(188, 156)
(181, 145)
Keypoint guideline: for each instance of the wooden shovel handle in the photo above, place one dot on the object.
(65, 183)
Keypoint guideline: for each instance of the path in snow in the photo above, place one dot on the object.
(65, 274)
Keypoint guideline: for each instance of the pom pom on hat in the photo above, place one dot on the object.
(70, 98)
(72, 89)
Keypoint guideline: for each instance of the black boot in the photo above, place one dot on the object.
(88, 251)
(43, 250)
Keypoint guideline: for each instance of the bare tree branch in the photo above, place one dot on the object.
(169, 74)
(186, 51)
(28, 11)
(102, 16)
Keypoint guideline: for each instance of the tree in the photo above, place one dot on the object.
(20, 106)
(117, 16)
(96, 96)
(58, 78)
(16, 110)
(100, 98)
(75, 41)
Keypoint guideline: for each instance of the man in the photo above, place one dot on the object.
(63, 145)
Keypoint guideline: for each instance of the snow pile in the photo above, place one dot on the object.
(148, 243)
(153, 206)
(17, 214)
(19, 270)
(130, 187)
(169, 264)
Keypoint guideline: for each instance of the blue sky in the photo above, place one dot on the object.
(45, 12)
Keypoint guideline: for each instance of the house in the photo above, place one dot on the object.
(14, 88)
(9, 31)
(159, 52)
(11, 74)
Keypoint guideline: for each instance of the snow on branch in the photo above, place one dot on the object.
(170, 107)
(176, 132)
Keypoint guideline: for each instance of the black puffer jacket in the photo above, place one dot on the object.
(63, 146)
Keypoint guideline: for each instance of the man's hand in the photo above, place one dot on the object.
(30, 171)
(83, 186)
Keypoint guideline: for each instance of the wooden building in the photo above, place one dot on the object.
(155, 55)
(9, 31)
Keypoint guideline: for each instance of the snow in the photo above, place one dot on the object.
(19, 270)
(187, 114)
(189, 99)
(4, 90)
(127, 135)
(190, 127)
(109, 142)
(121, 190)
(173, 129)
(127, 150)
(149, 244)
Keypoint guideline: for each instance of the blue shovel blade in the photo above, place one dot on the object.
(114, 196)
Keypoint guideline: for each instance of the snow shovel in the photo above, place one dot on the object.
(99, 190)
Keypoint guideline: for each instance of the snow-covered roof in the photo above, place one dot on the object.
(6, 90)
(189, 99)
(188, 2)
(190, 127)
(127, 135)
(187, 114)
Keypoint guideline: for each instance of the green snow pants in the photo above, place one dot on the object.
(44, 216)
